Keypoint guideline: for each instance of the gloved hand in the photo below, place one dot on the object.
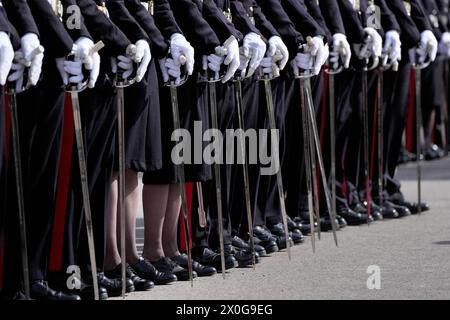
(70, 71)
(230, 50)
(372, 46)
(444, 45)
(318, 51)
(29, 43)
(276, 45)
(428, 47)
(179, 46)
(17, 71)
(213, 62)
(123, 62)
(340, 51)
(82, 50)
(253, 50)
(393, 46)
(302, 61)
(169, 68)
(142, 57)
(6, 57)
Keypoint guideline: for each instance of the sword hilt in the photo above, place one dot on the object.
(18, 58)
(119, 80)
(75, 87)
(305, 48)
(426, 63)
(340, 67)
(184, 75)
(275, 68)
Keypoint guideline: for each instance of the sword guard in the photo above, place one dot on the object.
(331, 69)
(184, 75)
(74, 87)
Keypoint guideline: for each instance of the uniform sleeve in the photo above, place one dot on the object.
(388, 20)
(332, 15)
(57, 41)
(241, 19)
(102, 28)
(165, 19)
(75, 33)
(4, 23)
(195, 28)
(262, 23)
(302, 20)
(218, 22)
(419, 15)
(281, 21)
(409, 34)
(316, 14)
(353, 26)
(157, 43)
(19, 13)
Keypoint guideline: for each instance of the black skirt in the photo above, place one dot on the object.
(143, 124)
(193, 107)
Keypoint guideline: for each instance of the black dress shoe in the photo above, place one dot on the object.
(352, 218)
(402, 211)
(201, 270)
(297, 236)
(414, 207)
(113, 285)
(167, 265)
(87, 292)
(342, 222)
(325, 224)
(292, 225)
(266, 239)
(144, 269)
(245, 258)
(134, 282)
(278, 231)
(39, 290)
(304, 225)
(207, 257)
(239, 244)
(116, 274)
(376, 211)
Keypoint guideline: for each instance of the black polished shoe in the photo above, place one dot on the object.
(239, 244)
(167, 265)
(144, 269)
(87, 292)
(278, 231)
(201, 270)
(292, 225)
(325, 224)
(304, 225)
(352, 218)
(207, 257)
(414, 207)
(297, 236)
(113, 285)
(342, 222)
(264, 238)
(376, 211)
(134, 282)
(402, 211)
(39, 290)
(245, 258)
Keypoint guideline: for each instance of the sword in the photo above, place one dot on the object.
(201, 207)
(305, 89)
(365, 141)
(120, 84)
(180, 170)
(74, 89)
(275, 151)
(238, 93)
(380, 131)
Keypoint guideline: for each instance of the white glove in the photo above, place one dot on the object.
(393, 46)
(254, 50)
(444, 45)
(124, 63)
(82, 50)
(213, 62)
(142, 57)
(70, 71)
(276, 45)
(372, 46)
(317, 49)
(230, 50)
(302, 61)
(6, 57)
(341, 51)
(17, 71)
(428, 47)
(169, 68)
(29, 43)
(179, 46)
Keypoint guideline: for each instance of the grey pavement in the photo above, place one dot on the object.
(413, 256)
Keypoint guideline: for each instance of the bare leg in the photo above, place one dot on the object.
(112, 256)
(131, 207)
(155, 203)
(170, 229)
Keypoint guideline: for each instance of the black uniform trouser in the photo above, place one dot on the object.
(209, 237)
(99, 121)
(2, 163)
(40, 111)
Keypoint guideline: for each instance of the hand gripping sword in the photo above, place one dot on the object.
(308, 112)
(275, 149)
(74, 90)
(240, 112)
(120, 83)
(12, 92)
(180, 168)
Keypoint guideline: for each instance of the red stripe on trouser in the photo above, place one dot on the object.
(2, 235)
(410, 117)
(182, 242)
(57, 243)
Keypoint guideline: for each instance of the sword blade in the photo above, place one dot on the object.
(217, 178)
(380, 133)
(182, 183)
(85, 189)
(315, 134)
(121, 183)
(238, 92)
(19, 189)
(332, 97)
(201, 206)
(365, 115)
(276, 153)
(307, 152)
(419, 128)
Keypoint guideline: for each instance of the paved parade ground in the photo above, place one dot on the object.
(412, 254)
